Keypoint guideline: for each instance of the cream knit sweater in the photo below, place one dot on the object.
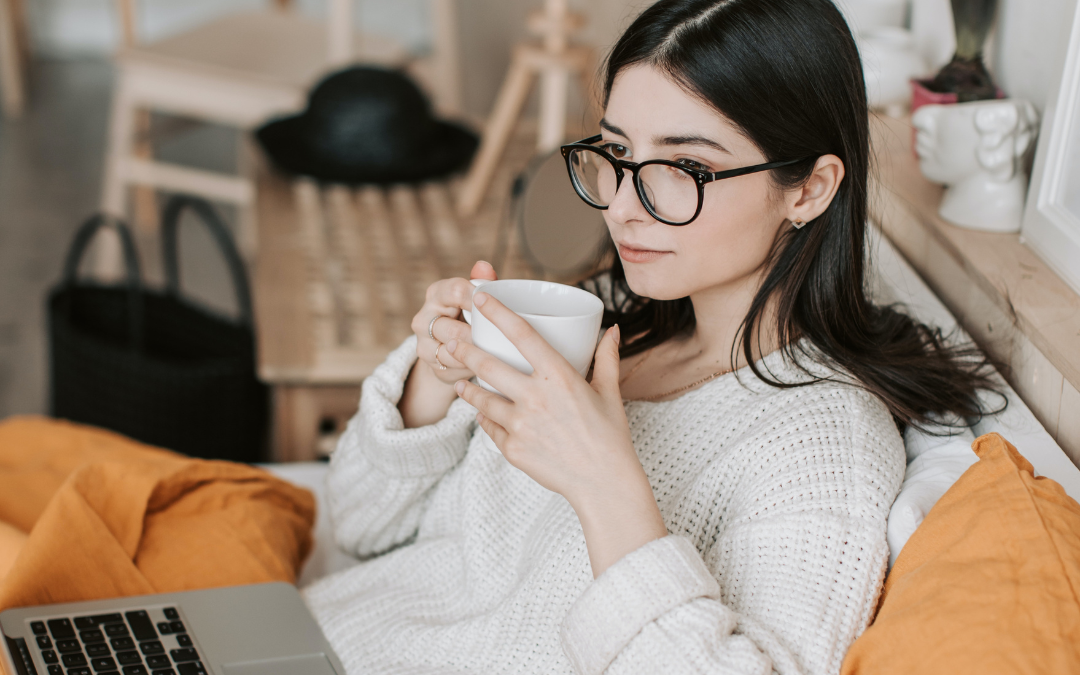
(775, 500)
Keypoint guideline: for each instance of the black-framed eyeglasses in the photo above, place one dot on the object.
(670, 191)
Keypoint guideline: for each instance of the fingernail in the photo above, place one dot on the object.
(616, 334)
(479, 418)
(451, 346)
(459, 387)
(479, 299)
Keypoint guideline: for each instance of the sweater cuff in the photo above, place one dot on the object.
(635, 591)
(409, 453)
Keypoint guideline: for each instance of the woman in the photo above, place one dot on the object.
(670, 515)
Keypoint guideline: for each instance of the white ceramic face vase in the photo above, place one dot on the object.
(977, 150)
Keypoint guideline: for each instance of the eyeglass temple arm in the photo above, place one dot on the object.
(732, 173)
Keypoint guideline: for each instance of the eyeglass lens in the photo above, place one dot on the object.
(668, 192)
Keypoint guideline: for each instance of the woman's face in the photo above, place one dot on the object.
(650, 117)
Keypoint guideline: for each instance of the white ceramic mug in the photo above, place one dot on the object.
(568, 318)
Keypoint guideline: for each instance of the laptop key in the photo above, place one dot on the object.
(61, 629)
(153, 647)
(163, 671)
(55, 670)
(97, 649)
(78, 671)
(116, 630)
(194, 668)
(163, 628)
(122, 643)
(103, 664)
(68, 646)
(49, 656)
(159, 661)
(85, 622)
(108, 618)
(128, 658)
(89, 636)
(141, 625)
(181, 655)
(177, 627)
(39, 627)
(43, 642)
(184, 640)
(171, 614)
(73, 660)
(136, 670)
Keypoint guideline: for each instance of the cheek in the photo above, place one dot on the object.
(729, 241)
(734, 233)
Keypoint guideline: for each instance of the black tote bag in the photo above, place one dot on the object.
(152, 365)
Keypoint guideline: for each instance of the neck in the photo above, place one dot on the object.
(719, 312)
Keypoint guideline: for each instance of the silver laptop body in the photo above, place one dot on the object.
(259, 629)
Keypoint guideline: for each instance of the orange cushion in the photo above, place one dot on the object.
(91, 514)
(989, 582)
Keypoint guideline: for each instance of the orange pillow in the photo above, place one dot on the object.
(989, 582)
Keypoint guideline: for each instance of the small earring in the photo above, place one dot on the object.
(798, 224)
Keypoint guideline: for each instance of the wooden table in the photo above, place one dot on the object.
(1011, 303)
(339, 274)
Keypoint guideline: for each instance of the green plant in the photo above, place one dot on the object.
(966, 75)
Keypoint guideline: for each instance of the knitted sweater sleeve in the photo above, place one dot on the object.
(381, 473)
(791, 580)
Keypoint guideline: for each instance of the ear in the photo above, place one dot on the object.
(814, 196)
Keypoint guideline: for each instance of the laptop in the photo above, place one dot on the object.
(259, 629)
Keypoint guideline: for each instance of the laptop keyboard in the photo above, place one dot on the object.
(152, 641)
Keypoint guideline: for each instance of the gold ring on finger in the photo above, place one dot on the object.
(431, 325)
(441, 366)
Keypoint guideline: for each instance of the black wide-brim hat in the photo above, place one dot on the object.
(367, 125)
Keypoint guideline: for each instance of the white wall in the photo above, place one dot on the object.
(1031, 42)
(91, 27)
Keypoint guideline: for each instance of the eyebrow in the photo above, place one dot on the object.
(685, 139)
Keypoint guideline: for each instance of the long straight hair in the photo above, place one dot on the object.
(787, 73)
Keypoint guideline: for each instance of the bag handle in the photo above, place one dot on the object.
(83, 237)
(169, 236)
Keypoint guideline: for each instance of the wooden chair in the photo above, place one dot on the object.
(14, 55)
(239, 70)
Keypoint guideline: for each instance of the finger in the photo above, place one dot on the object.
(605, 379)
(495, 430)
(450, 296)
(489, 369)
(535, 349)
(492, 405)
(447, 329)
(483, 270)
(438, 355)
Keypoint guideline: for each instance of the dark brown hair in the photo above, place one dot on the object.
(788, 74)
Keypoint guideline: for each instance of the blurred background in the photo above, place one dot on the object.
(336, 271)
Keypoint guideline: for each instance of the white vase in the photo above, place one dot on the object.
(866, 15)
(977, 149)
(890, 61)
(932, 26)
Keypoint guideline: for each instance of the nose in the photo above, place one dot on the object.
(626, 206)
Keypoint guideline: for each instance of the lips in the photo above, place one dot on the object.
(639, 255)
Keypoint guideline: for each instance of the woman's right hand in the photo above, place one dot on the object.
(446, 299)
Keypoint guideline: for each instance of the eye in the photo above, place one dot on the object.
(696, 166)
(615, 150)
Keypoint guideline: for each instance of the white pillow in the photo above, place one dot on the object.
(934, 464)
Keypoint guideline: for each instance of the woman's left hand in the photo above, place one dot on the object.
(568, 434)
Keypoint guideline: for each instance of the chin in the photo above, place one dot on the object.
(654, 285)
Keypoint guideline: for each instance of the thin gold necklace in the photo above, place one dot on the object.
(673, 391)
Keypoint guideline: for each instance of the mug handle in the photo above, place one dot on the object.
(477, 283)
